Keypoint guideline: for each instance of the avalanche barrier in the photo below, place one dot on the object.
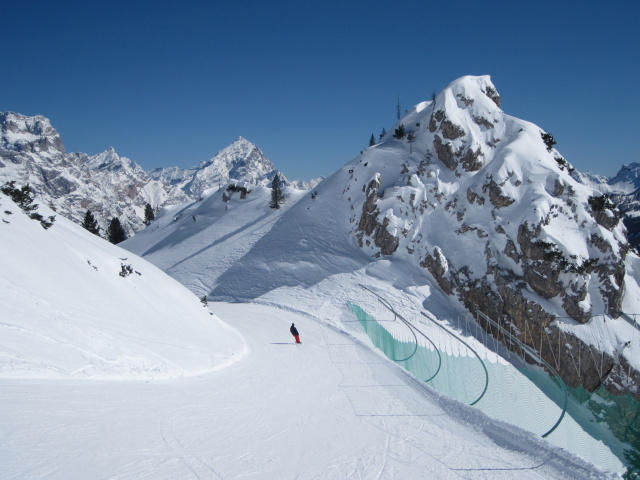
(458, 358)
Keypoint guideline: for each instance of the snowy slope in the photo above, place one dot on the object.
(197, 242)
(67, 312)
(330, 408)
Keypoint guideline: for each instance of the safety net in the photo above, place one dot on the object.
(458, 358)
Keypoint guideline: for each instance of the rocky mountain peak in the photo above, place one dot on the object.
(29, 135)
(463, 121)
(495, 216)
(628, 176)
(109, 160)
(31, 151)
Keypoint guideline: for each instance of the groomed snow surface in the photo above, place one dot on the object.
(329, 408)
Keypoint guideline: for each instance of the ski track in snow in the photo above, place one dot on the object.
(330, 408)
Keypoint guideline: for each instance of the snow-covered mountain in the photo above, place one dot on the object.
(469, 200)
(31, 151)
(242, 161)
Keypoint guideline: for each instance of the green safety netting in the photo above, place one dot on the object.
(459, 359)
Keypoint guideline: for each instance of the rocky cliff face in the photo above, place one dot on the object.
(624, 191)
(31, 151)
(479, 201)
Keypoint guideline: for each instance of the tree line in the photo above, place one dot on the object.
(115, 231)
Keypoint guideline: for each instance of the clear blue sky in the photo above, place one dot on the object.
(172, 83)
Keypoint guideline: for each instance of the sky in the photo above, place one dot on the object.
(172, 83)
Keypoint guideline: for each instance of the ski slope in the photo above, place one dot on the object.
(331, 408)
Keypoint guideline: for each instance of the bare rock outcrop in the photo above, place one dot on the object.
(371, 227)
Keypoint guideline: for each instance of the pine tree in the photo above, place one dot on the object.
(277, 197)
(115, 232)
(383, 133)
(149, 216)
(372, 140)
(90, 223)
(399, 134)
(411, 138)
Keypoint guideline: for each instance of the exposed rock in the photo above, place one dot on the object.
(607, 218)
(437, 117)
(472, 196)
(445, 153)
(370, 225)
(437, 265)
(496, 196)
(467, 101)
(600, 243)
(492, 94)
(558, 189)
(450, 130)
(471, 160)
(511, 251)
(483, 122)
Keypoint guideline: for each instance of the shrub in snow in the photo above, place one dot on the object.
(126, 270)
(598, 203)
(548, 140)
(244, 191)
(23, 197)
(562, 163)
(411, 138)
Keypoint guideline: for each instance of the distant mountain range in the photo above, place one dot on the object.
(32, 152)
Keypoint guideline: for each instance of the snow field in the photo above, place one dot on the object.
(329, 408)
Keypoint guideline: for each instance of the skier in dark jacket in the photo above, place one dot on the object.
(294, 332)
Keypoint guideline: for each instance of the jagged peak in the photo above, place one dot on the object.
(469, 89)
(110, 160)
(29, 134)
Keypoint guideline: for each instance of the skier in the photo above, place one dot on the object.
(294, 332)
